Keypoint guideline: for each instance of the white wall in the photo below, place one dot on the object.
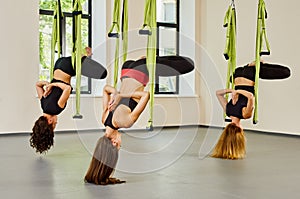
(19, 39)
(99, 40)
(187, 44)
(277, 110)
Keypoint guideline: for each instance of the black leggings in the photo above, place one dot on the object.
(273, 71)
(89, 68)
(172, 65)
(267, 72)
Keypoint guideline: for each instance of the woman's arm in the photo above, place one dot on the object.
(39, 86)
(108, 91)
(143, 97)
(220, 95)
(247, 111)
(64, 96)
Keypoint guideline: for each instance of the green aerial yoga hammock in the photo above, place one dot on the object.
(56, 40)
(260, 35)
(230, 48)
(76, 52)
(124, 28)
(150, 24)
(149, 28)
(115, 32)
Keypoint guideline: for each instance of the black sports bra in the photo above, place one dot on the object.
(245, 87)
(131, 103)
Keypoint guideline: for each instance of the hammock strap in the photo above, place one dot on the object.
(114, 32)
(260, 36)
(76, 53)
(125, 29)
(150, 21)
(56, 40)
(230, 47)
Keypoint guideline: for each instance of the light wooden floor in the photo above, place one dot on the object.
(162, 164)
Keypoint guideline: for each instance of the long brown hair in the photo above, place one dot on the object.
(42, 135)
(231, 144)
(103, 163)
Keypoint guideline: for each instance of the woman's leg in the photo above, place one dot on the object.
(273, 71)
(107, 91)
(173, 65)
(91, 68)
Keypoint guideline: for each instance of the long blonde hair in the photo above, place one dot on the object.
(103, 163)
(231, 144)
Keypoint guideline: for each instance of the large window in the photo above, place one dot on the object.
(46, 21)
(168, 42)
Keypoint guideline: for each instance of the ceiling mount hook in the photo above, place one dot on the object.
(232, 3)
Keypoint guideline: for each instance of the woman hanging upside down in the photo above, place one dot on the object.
(121, 109)
(53, 97)
(232, 142)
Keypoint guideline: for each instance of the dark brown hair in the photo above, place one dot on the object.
(232, 143)
(42, 135)
(103, 163)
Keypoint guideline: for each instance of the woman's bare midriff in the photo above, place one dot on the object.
(130, 85)
(60, 75)
(243, 81)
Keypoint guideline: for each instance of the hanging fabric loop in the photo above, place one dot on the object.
(115, 32)
(150, 24)
(260, 36)
(115, 27)
(124, 29)
(56, 40)
(76, 52)
(146, 28)
(230, 47)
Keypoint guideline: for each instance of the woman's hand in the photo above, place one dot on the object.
(222, 92)
(40, 88)
(220, 95)
(48, 89)
(114, 101)
(234, 97)
(62, 86)
(41, 84)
